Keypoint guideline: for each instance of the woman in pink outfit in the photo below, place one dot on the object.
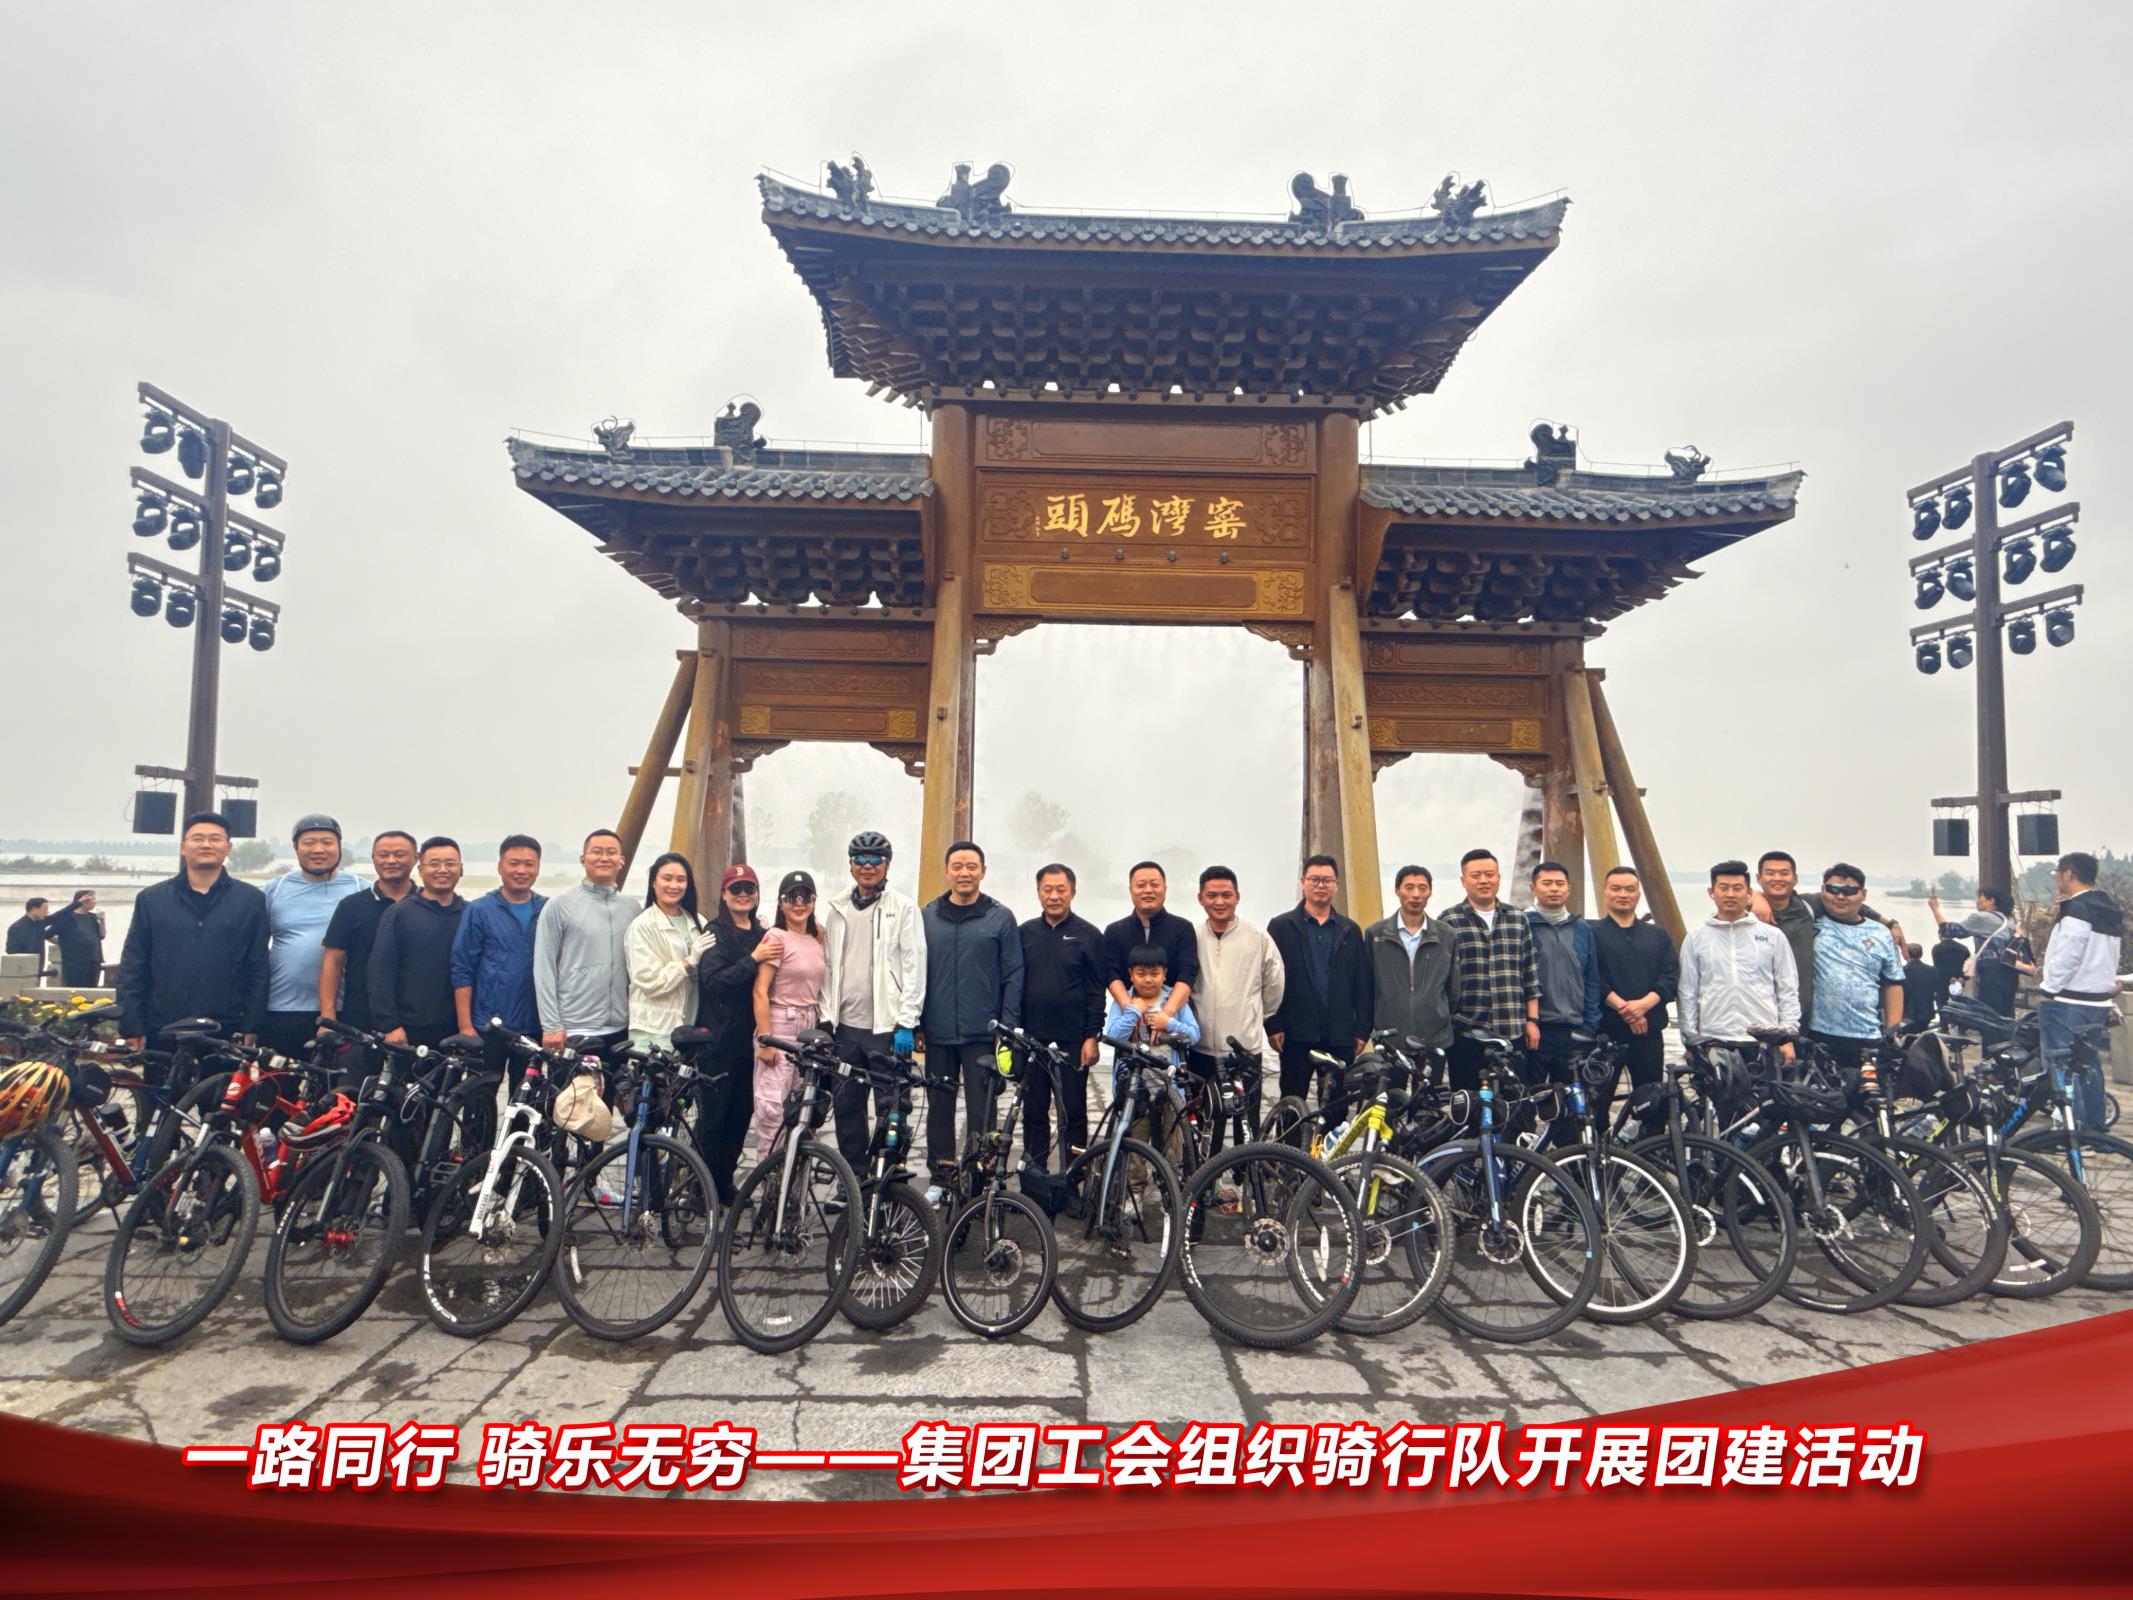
(788, 999)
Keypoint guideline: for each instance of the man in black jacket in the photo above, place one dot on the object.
(973, 978)
(1150, 923)
(411, 998)
(1327, 1002)
(1640, 969)
(1063, 1005)
(28, 933)
(197, 946)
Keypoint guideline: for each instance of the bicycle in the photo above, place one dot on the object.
(783, 1263)
(1647, 1241)
(493, 1230)
(39, 1184)
(998, 1258)
(1123, 1210)
(1407, 1223)
(899, 1233)
(640, 1219)
(1525, 1262)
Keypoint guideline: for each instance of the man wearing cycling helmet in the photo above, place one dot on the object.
(873, 978)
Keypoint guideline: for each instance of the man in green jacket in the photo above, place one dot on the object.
(1411, 963)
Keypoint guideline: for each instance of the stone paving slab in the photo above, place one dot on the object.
(849, 1389)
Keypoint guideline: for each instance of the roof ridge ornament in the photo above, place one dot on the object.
(1555, 451)
(1456, 206)
(1315, 208)
(982, 201)
(1688, 463)
(614, 436)
(734, 432)
(854, 185)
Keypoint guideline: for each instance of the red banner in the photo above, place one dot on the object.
(2023, 1486)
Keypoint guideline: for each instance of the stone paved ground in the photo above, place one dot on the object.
(853, 1390)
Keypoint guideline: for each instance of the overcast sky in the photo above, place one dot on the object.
(1872, 240)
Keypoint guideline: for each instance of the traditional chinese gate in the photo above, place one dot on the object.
(1148, 421)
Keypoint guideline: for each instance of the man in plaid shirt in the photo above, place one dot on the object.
(1496, 978)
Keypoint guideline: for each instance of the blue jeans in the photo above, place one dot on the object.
(2059, 1024)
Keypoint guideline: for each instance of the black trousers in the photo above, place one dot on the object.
(855, 1136)
(289, 1033)
(1073, 1093)
(973, 1061)
(1556, 1058)
(1847, 1053)
(1645, 1056)
(1299, 1071)
(724, 1107)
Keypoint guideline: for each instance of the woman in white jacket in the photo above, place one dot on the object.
(661, 946)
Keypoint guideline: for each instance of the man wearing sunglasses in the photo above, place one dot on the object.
(873, 980)
(1858, 972)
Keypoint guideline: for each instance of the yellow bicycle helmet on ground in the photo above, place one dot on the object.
(31, 1093)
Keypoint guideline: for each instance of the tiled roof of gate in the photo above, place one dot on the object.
(1511, 494)
(708, 471)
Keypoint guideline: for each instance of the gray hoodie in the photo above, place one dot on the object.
(581, 979)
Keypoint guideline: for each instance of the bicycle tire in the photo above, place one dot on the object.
(2107, 1173)
(219, 1197)
(338, 1179)
(1642, 1209)
(1492, 1254)
(765, 1250)
(1282, 1194)
(96, 1184)
(672, 1179)
(1870, 1188)
(1094, 1248)
(899, 1259)
(1288, 1123)
(37, 1212)
(986, 1253)
(1745, 1236)
(1951, 1198)
(1406, 1242)
(477, 1298)
(2037, 1194)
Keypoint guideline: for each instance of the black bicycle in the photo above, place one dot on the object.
(998, 1253)
(899, 1233)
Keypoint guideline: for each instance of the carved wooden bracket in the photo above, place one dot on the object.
(989, 631)
(1294, 637)
(745, 756)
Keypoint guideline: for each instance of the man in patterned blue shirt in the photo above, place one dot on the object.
(1858, 973)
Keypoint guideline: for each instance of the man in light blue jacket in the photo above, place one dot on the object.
(299, 905)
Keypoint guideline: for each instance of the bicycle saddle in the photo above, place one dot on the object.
(693, 1038)
(471, 1043)
(818, 1039)
(1773, 1035)
(189, 1028)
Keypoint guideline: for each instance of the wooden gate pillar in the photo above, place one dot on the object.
(658, 754)
(1562, 823)
(1636, 825)
(950, 708)
(703, 806)
(1591, 776)
(1351, 739)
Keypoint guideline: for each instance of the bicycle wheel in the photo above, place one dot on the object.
(39, 1185)
(1647, 1242)
(783, 1265)
(2101, 1163)
(341, 1225)
(1966, 1235)
(899, 1256)
(1254, 1217)
(1288, 1123)
(1406, 1243)
(1864, 1243)
(181, 1245)
(627, 1267)
(1742, 1228)
(1525, 1266)
(121, 1115)
(998, 1263)
(1117, 1249)
(490, 1240)
(2054, 1229)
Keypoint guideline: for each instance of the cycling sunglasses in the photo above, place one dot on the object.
(1844, 888)
(870, 861)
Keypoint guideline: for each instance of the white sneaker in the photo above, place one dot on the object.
(605, 1193)
(935, 1194)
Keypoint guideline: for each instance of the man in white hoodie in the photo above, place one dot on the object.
(1737, 972)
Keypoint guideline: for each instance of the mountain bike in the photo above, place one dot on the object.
(1525, 1257)
(899, 1233)
(39, 1186)
(494, 1228)
(1273, 1245)
(998, 1256)
(1117, 1211)
(2102, 1163)
(640, 1219)
(1407, 1223)
(1646, 1236)
(784, 1264)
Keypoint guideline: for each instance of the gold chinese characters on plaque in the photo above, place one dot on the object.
(1184, 513)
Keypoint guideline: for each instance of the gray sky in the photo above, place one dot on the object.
(1873, 240)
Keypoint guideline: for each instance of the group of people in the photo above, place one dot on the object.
(592, 968)
(78, 931)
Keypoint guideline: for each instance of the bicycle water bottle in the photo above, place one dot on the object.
(1003, 1061)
